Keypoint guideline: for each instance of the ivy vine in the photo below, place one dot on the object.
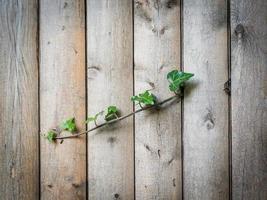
(146, 100)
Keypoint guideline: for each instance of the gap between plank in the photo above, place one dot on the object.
(86, 101)
(229, 98)
(182, 98)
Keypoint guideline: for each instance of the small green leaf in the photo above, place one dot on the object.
(69, 125)
(90, 119)
(93, 118)
(112, 113)
(97, 114)
(112, 109)
(146, 98)
(177, 79)
(51, 136)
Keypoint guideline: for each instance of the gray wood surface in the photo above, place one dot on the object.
(249, 99)
(110, 82)
(157, 133)
(18, 100)
(206, 174)
(62, 95)
(182, 151)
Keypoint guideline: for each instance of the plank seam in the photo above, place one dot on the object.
(229, 98)
(182, 98)
(133, 108)
(86, 101)
(39, 102)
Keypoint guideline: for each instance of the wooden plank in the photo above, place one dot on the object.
(62, 95)
(249, 98)
(206, 174)
(157, 133)
(110, 82)
(19, 100)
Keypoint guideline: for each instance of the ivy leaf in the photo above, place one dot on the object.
(177, 79)
(51, 136)
(112, 113)
(90, 119)
(146, 98)
(93, 118)
(69, 125)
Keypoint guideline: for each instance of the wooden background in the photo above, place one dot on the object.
(63, 58)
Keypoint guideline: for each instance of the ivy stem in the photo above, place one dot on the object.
(119, 118)
(95, 122)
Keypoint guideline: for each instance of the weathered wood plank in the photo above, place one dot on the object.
(249, 99)
(157, 133)
(206, 174)
(110, 82)
(19, 100)
(62, 95)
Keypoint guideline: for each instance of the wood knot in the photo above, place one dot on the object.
(173, 182)
(227, 87)
(147, 147)
(170, 161)
(116, 196)
(159, 153)
(239, 30)
(209, 119)
(171, 3)
(65, 5)
(75, 185)
(94, 70)
(94, 67)
(112, 140)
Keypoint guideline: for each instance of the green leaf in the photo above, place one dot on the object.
(112, 109)
(93, 118)
(146, 98)
(112, 113)
(100, 113)
(69, 125)
(177, 79)
(51, 136)
(90, 119)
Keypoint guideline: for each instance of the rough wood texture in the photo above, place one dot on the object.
(206, 174)
(249, 99)
(62, 95)
(110, 82)
(157, 133)
(18, 100)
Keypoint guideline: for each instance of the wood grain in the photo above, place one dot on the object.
(62, 95)
(206, 174)
(249, 99)
(18, 100)
(158, 132)
(110, 82)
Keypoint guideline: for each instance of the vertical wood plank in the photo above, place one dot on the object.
(157, 133)
(249, 99)
(206, 174)
(62, 95)
(110, 82)
(19, 100)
